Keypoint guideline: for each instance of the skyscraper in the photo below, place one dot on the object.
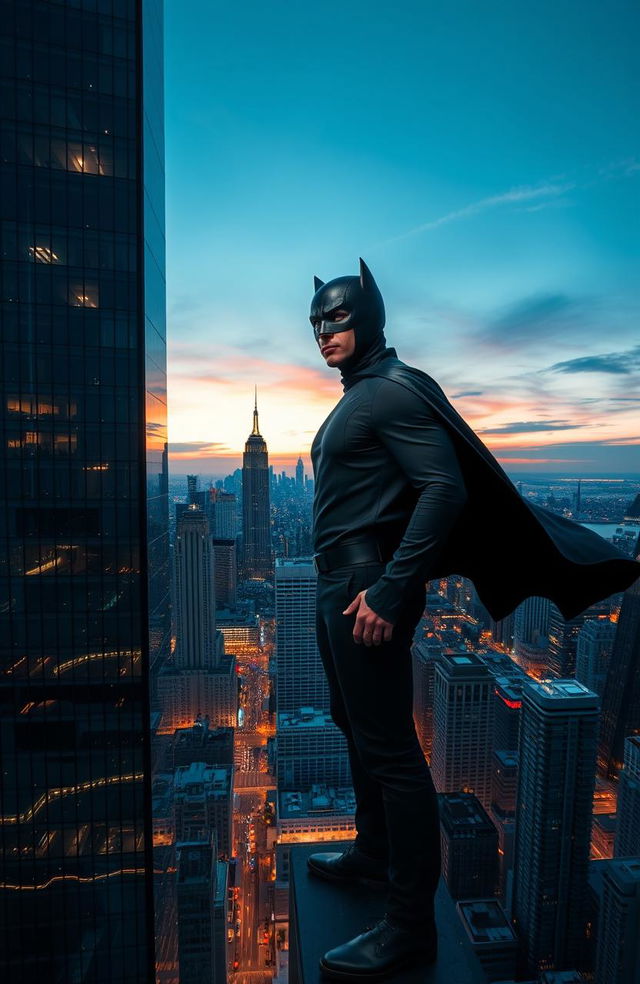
(84, 589)
(300, 474)
(201, 912)
(563, 637)
(556, 778)
(627, 843)
(618, 946)
(621, 694)
(469, 847)
(300, 676)
(225, 573)
(531, 628)
(195, 593)
(257, 555)
(201, 678)
(462, 726)
(593, 652)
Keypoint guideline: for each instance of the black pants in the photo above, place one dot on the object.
(371, 693)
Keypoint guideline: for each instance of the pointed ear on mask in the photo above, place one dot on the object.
(317, 283)
(366, 277)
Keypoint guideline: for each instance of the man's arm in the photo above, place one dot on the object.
(415, 436)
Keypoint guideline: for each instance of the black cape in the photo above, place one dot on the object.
(511, 548)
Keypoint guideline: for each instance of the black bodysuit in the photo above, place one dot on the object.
(384, 464)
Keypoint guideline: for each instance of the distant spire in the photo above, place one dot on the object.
(256, 429)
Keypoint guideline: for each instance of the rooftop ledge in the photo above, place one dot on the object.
(323, 915)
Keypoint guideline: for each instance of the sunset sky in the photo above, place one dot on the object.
(482, 158)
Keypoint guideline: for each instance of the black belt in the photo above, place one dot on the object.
(359, 552)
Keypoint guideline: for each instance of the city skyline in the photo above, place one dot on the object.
(495, 218)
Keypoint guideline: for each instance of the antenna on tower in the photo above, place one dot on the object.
(256, 429)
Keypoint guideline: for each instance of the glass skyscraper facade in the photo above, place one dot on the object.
(84, 591)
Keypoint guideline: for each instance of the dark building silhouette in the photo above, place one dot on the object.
(621, 697)
(627, 842)
(225, 576)
(256, 521)
(469, 843)
(563, 637)
(84, 606)
(556, 776)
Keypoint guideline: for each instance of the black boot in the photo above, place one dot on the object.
(380, 951)
(352, 865)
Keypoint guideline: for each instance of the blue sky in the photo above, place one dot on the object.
(482, 158)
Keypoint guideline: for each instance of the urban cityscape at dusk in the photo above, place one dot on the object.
(207, 777)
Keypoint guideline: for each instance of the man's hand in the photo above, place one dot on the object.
(369, 627)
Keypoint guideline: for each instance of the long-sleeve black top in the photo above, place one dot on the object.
(385, 464)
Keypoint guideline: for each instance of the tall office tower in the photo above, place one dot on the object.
(222, 514)
(563, 637)
(193, 483)
(257, 555)
(84, 589)
(504, 782)
(618, 945)
(531, 629)
(202, 678)
(627, 843)
(310, 748)
(507, 705)
(225, 574)
(195, 593)
(469, 844)
(621, 695)
(300, 675)
(502, 632)
(593, 652)
(300, 474)
(424, 652)
(202, 802)
(462, 726)
(201, 911)
(558, 737)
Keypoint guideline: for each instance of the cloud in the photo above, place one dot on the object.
(546, 194)
(458, 396)
(535, 319)
(612, 362)
(196, 448)
(528, 426)
(525, 193)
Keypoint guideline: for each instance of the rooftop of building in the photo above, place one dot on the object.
(200, 732)
(625, 872)
(294, 567)
(318, 800)
(560, 694)
(304, 717)
(199, 773)
(460, 810)
(228, 619)
(466, 663)
(194, 862)
(485, 921)
(323, 915)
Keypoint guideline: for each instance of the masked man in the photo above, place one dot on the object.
(406, 492)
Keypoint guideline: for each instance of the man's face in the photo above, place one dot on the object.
(337, 346)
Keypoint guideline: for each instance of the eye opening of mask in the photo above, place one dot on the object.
(316, 320)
